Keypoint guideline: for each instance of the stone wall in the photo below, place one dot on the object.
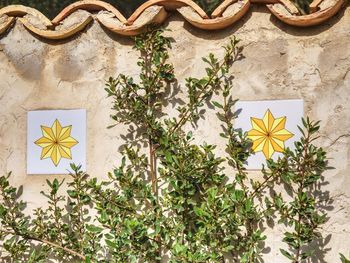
(281, 62)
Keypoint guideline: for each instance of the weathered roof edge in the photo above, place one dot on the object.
(76, 16)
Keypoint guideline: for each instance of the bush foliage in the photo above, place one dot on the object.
(171, 198)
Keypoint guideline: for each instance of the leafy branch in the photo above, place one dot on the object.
(169, 196)
(303, 169)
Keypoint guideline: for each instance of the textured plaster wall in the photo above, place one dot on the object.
(281, 62)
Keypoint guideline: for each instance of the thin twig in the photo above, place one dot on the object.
(52, 244)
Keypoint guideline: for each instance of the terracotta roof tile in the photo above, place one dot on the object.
(78, 15)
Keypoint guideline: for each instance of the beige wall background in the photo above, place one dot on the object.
(281, 62)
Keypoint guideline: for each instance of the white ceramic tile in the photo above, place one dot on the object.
(292, 110)
(56, 161)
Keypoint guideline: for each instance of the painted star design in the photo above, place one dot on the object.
(56, 142)
(269, 134)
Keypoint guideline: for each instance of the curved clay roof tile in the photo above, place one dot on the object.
(5, 22)
(89, 5)
(21, 10)
(153, 14)
(328, 8)
(76, 16)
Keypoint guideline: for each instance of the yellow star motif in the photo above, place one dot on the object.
(56, 142)
(268, 134)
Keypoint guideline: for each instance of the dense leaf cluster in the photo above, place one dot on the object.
(171, 198)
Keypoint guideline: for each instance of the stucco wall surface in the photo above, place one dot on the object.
(281, 62)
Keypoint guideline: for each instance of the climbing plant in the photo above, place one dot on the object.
(171, 198)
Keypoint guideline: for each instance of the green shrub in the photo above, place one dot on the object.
(169, 195)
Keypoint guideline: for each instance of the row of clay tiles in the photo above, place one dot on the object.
(78, 15)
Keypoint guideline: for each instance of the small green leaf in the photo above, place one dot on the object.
(344, 259)
(286, 254)
(111, 243)
(73, 194)
(94, 229)
(217, 104)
